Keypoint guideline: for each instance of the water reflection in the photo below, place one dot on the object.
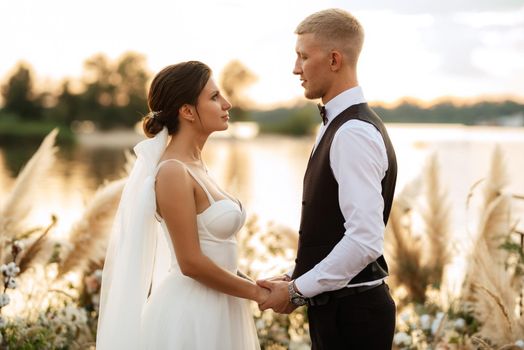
(266, 172)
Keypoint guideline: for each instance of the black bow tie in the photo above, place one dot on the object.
(322, 110)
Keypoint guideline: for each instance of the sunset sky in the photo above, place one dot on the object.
(423, 49)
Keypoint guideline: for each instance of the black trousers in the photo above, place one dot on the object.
(361, 321)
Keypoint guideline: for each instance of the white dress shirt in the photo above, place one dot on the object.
(359, 162)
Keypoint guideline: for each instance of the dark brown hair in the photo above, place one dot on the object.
(173, 87)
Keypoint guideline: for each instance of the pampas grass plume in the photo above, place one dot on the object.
(88, 236)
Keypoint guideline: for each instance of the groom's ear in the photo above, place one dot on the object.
(336, 60)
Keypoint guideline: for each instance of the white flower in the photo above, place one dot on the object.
(43, 320)
(460, 323)
(98, 275)
(405, 317)
(10, 270)
(11, 283)
(520, 343)
(260, 324)
(74, 315)
(436, 322)
(402, 339)
(4, 299)
(425, 322)
(81, 316)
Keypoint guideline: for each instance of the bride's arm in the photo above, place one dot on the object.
(175, 195)
(243, 275)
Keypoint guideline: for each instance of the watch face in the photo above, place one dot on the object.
(298, 301)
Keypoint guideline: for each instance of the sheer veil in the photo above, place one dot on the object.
(135, 243)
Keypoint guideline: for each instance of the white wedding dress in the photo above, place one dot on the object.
(184, 314)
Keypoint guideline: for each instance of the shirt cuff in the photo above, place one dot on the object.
(307, 285)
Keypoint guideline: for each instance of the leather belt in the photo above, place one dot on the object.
(326, 297)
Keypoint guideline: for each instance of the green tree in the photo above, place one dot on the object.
(235, 78)
(19, 97)
(68, 106)
(115, 92)
(132, 91)
(100, 83)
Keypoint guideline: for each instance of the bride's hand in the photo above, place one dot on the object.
(285, 278)
(262, 294)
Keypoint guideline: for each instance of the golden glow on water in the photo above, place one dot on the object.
(265, 173)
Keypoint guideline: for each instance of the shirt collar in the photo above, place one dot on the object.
(344, 100)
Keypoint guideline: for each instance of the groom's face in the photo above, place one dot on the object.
(312, 65)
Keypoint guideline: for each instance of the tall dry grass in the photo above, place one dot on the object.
(39, 247)
(494, 300)
(489, 283)
(418, 259)
(89, 235)
(18, 204)
(45, 294)
(405, 256)
(495, 224)
(435, 214)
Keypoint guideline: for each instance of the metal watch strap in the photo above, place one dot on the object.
(294, 296)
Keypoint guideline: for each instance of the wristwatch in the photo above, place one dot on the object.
(295, 297)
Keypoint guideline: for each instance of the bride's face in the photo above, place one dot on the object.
(213, 108)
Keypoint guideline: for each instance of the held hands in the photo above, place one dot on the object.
(278, 299)
(262, 294)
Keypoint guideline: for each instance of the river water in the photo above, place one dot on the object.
(265, 172)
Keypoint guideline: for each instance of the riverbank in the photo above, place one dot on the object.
(16, 132)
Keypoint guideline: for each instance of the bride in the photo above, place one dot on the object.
(170, 278)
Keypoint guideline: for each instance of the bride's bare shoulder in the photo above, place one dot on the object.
(172, 172)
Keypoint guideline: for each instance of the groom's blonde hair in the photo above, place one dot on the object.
(336, 29)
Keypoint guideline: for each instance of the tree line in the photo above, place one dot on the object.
(483, 112)
(109, 93)
(112, 93)
(303, 119)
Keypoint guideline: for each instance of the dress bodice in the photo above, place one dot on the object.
(217, 226)
(180, 308)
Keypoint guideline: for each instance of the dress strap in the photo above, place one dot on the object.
(193, 175)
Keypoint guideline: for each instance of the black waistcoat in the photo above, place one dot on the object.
(322, 222)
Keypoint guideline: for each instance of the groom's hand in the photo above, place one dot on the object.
(278, 300)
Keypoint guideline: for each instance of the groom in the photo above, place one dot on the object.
(347, 195)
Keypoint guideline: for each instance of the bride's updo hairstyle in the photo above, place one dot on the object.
(173, 87)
